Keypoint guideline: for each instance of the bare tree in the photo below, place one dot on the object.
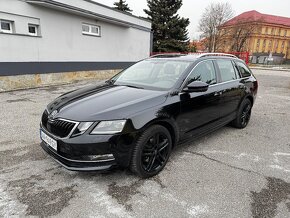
(214, 16)
(240, 34)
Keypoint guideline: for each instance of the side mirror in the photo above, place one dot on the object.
(196, 86)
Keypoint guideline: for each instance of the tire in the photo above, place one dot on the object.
(244, 115)
(151, 152)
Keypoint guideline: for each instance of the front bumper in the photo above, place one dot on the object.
(78, 165)
(91, 152)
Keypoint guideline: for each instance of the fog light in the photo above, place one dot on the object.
(104, 157)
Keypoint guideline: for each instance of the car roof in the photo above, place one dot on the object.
(192, 57)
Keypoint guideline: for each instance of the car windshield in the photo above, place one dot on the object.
(152, 74)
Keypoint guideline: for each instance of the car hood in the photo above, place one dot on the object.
(105, 102)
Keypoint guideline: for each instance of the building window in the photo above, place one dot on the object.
(276, 46)
(273, 31)
(264, 45)
(282, 45)
(285, 33)
(279, 32)
(258, 45)
(6, 26)
(32, 30)
(88, 29)
(266, 30)
(270, 45)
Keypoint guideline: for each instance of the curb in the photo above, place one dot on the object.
(271, 69)
(23, 82)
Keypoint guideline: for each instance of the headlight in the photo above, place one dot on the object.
(82, 127)
(109, 127)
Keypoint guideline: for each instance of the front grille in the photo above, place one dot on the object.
(59, 128)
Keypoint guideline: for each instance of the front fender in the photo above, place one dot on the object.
(165, 115)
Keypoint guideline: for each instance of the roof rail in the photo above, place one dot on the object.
(216, 54)
(166, 55)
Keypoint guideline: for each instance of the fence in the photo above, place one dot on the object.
(242, 55)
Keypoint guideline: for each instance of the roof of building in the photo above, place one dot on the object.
(112, 8)
(259, 17)
(92, 9)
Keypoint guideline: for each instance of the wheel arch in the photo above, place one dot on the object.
(169, 125)
(250, 97)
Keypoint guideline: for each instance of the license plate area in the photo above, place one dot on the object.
(48, 140)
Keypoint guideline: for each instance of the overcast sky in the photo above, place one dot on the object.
(193, 9)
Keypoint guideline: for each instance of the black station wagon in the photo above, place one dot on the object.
(136, 118)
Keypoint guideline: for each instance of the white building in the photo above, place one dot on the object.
(46, 36)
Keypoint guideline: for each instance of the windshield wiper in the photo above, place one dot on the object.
(110, 82)
(136, 87)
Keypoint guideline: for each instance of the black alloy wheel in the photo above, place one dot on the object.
(155, 152)
(152, 151)
(244, 114)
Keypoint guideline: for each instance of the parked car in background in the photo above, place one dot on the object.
(137, 117)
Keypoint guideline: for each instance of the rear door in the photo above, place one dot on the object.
(248, 81)
(232, 89)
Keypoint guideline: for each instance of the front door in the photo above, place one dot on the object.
(200, 108)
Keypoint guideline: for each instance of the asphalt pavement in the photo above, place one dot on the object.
(229, 173)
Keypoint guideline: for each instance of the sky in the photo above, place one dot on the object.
(193, 9)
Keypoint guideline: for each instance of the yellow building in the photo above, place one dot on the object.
(265, 37)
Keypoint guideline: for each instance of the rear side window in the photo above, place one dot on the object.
(227, 70)
(243, 69)
(204, 72)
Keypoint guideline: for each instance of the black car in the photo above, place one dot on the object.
(137, 117)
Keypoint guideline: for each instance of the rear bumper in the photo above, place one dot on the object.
(79, 165)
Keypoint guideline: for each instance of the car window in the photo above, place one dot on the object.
(152, 74)
(171, 70)
(227, 70)
(238, 76)
(204, 72)
(243, 69)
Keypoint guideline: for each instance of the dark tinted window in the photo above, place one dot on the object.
(5, 25)
(227, 70)
(243, 69)
(204, 72)
(31, 29)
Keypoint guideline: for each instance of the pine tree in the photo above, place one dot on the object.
(169, 29)
(122, 6)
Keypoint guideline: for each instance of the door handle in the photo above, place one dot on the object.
(218, 93)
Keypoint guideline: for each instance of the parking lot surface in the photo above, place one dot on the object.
(229, 173)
